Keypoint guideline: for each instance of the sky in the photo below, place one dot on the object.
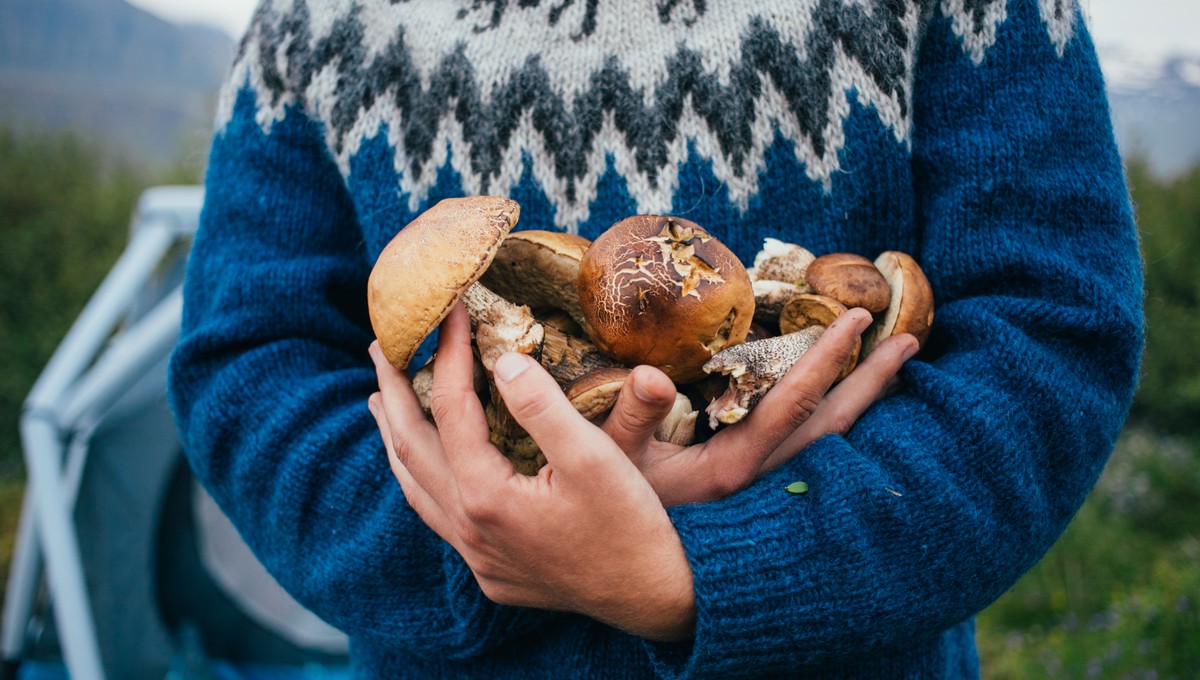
(1148, 29)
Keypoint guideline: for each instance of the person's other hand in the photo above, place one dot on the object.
(796, 412)
(587, 534)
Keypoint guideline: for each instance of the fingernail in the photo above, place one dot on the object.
(911, 350)
(861, 323)
(510, 365)
(639, 390)
(371, 406)
(375, 352)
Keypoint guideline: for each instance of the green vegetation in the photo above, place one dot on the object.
(1118, 596)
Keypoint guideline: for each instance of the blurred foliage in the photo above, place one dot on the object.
(1169, 220)
(1119, 594)
(65, 206)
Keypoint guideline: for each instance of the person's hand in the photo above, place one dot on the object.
(797, 411)
(587, 534)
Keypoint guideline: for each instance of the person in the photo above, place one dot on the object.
(973, 135)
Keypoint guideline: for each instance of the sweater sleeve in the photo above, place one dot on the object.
(269, 385)
(941, 497)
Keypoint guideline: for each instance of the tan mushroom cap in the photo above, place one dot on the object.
(911, 306)
(538, 268)
(850, 279)
(424, 270)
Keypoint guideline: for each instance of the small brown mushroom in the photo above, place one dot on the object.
(850, 279)
(911, 306)
(806, 311)
(753, 369)
(594, 393)
(663, 291)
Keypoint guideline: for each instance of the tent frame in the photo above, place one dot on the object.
(109, 346)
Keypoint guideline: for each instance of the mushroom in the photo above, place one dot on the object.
(538, 269)
(780, 261)
(807, 311)
(434, 262)
(663, 291)
(850, 279)
(753, 369)
(911, 307)
(595, 393)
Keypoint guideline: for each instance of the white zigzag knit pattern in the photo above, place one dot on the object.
(364, 66)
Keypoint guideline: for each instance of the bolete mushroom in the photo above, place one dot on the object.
(436, 261)
(753, 369)
(538, 268)
(910, 309)
(850, 279)
(808, 311)
(662, 291)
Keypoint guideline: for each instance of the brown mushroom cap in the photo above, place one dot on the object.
(594, 393)
(809, 311)
(426, 267)
(850, 279)
(911, 306)
(538, 269)
(663, 291)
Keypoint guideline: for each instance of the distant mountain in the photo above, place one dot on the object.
(140, 84)
(1156, 108)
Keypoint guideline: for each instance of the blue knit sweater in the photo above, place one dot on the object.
(973, 134)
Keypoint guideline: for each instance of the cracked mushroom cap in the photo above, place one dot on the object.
(426, 268)
(663, 291)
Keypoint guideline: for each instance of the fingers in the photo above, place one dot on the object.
(796, 397)
(645, 400)
(408, 430)
(418, 499)
(849, 400)
(456, 408)
(539, 405)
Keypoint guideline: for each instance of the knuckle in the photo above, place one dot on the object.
(726, 480)
(443, 403)
(805, 401)
(401, 449)
(469, 534)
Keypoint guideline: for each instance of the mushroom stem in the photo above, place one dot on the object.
(500, 326)
(753, 369)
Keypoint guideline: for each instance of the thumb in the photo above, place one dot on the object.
(645, 400)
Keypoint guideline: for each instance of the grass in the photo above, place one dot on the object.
(1119, 594)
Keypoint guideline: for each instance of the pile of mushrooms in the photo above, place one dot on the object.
(654, 290)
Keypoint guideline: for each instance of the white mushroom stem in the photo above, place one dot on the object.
(679, 427)
(753, 369)
(500, 326)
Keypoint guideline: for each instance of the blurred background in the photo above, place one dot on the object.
(100, 99)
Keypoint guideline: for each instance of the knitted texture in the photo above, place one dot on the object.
(972, 134)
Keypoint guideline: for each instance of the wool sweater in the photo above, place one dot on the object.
(973, 134)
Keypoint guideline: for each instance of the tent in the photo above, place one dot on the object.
(123, 567)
